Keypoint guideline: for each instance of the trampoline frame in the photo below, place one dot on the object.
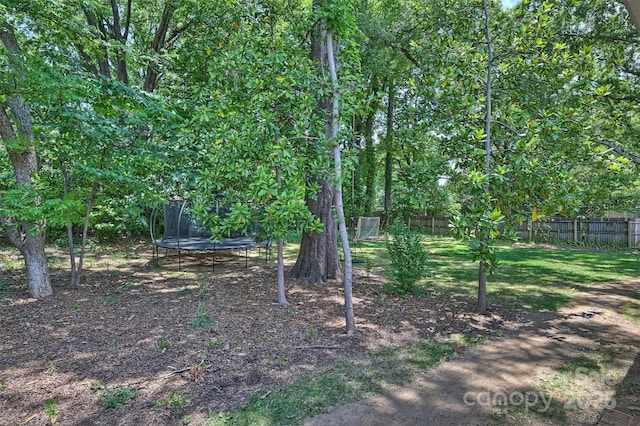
(198, 244)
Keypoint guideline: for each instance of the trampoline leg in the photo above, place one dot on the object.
(179, 261)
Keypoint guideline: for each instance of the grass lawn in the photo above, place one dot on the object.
(529, 278)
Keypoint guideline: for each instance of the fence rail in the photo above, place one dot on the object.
(614, 232)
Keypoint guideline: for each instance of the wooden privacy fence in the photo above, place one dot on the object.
(615, 232)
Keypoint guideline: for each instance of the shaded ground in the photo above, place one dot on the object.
(132, 324)
(545, 369)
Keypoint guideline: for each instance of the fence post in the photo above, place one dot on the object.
(433, 225)
(575, 231)
(409, 225)
(629, 234)
(530, 230)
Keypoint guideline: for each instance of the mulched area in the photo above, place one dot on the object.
(212, 338)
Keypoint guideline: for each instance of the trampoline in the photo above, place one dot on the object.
(182, 231)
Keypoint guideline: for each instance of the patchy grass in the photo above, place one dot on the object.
(590, 379)
(349, 381)
(631, 309)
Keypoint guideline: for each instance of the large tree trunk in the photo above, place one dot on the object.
(318, 258)
(35, 261)
(29, 238)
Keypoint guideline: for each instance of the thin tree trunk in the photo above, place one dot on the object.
(121, 62)
(72, 250)
(481, 308)
(103, 62)
(335, 128)
(282, 296)
(157, 44)
(388, 181)
(75, 282)
(388, 161)
(369, 164)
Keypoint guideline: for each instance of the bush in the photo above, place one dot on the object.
(118, 396)
(408, 259)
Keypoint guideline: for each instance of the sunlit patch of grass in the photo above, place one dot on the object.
(536, 279)
(530, 278)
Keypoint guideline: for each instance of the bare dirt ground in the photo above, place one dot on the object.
(130, 323)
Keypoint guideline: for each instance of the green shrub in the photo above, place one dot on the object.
(175, 399)
(408, 259)
(202, 319)
(164, 343)
(51, 411)
(117, 396)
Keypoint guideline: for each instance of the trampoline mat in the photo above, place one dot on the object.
(198, 243)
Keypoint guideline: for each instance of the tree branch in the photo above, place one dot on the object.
(158, 43)
(619, 150)
(509, 128)
(601, 37)
(409, 56)
(128, 21)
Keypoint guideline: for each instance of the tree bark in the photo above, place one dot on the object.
(159, 39)
(29, 238)
(388, 160)
(337, 160)
(481, 307)
(318, 259)
(282, 296)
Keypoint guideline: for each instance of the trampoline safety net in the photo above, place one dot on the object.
(183, 231)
